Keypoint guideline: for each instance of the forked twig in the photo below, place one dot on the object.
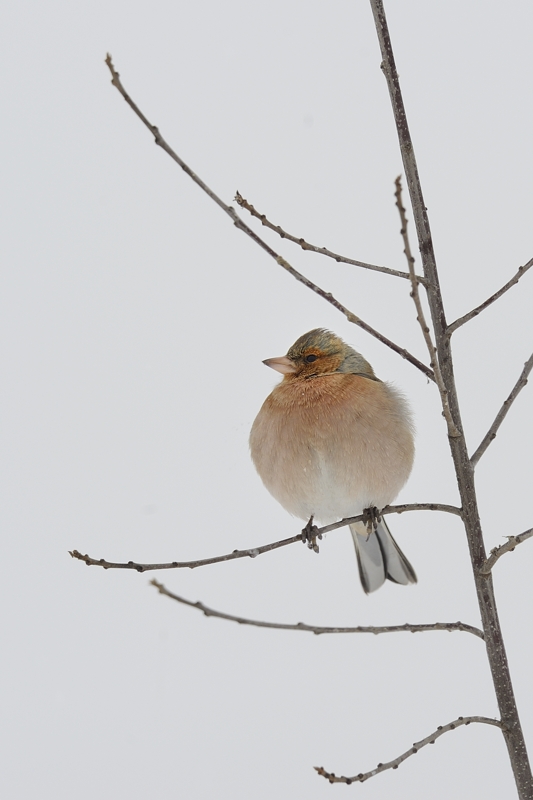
(434, 362)
(497, 552)
(319, 629)
(323, 251)
(502, 413)
(492, 299)
(395, 763)
(257, 551)
(241, 225)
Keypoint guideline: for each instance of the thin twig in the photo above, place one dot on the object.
(497, 552)
(243, 203)
(319, 629)
(202, 562)
(502, 413)
(356, 320)
(441, 730)
(257, 551)
(433, 360)
(241, 225)
(492, 299)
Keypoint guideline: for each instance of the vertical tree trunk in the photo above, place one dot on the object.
(464, 471)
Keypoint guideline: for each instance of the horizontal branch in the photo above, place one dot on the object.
(497, 552)
(400, 509)
(492, 299)
(257, 551)
(502, 413)
(241, 225)
(319, 629)
(323, 251)
(395, 763)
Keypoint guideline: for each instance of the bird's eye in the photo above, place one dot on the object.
(310, 358)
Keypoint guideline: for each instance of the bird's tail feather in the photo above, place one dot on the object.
(379, 557)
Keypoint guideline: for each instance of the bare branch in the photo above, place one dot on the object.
(318, 629)
(433, 360)
(497, 552)
(356, 320)
(203, 562)
(400, 509)
(314, 249)
(502, 413)
(447, 509)
(257, 551)
(241, 225)
(497, 657)
(492, 299)
(441, 730)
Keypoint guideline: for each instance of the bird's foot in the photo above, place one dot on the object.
(310, 534)
(371, 517)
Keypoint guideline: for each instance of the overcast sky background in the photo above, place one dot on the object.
(134, 321)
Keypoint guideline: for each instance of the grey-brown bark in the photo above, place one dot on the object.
(464, 469)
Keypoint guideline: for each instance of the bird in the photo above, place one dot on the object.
(333, 441)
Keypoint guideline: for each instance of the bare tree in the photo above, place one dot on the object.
(440, 370)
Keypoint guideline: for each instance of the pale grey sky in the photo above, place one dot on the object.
(135, 319)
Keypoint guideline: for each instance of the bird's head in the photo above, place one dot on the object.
(317, 353)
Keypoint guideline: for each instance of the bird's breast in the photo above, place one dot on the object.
(333, 445)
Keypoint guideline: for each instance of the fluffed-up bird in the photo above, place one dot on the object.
(333, 440)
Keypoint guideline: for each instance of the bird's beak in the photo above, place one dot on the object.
(281, 364)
